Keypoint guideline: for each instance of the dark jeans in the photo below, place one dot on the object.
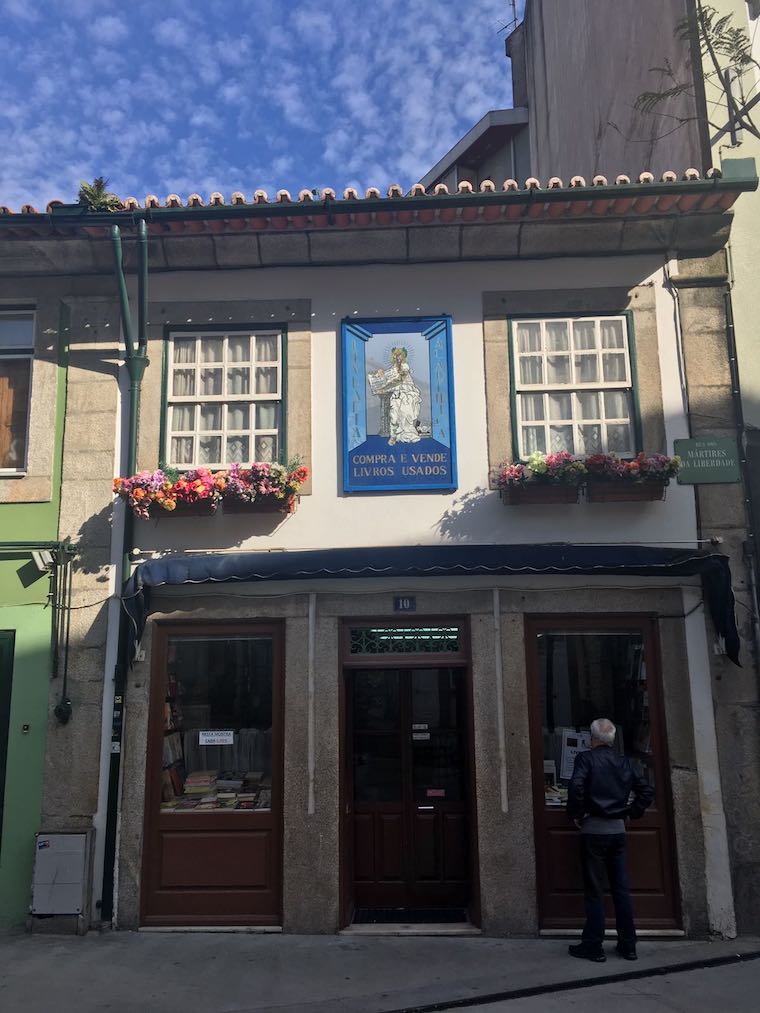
(600, 852)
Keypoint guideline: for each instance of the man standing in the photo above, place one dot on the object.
(599, 802)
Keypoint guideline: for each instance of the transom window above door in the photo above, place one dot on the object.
(573, 386)
(224, 398)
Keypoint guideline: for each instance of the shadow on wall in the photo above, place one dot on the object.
(172, 534)
(472, 517)
(94, 544)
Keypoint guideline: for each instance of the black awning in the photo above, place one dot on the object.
(441, 561)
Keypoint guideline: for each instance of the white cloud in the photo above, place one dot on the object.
(108, 29)
(20, 9)
(173, 32)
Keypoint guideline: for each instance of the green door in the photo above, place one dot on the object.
(6, 680)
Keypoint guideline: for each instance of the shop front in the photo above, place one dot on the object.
(312, 761)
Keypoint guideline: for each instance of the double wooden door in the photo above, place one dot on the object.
(407, 788)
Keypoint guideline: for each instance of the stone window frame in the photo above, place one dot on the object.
(290, 316)
(499, 308)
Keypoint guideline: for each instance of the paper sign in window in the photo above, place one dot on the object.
(216, 737)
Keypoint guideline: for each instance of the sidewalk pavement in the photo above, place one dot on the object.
(216, 972)
(726, 989)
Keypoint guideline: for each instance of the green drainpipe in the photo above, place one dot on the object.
(136, 362)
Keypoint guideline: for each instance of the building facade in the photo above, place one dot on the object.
(363, 704)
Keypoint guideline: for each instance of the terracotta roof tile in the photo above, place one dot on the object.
(489, 202)
(394, 192)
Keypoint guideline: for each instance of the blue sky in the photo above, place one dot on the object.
(183, 97)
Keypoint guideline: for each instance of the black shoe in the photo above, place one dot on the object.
(581, 951)
(626, 954)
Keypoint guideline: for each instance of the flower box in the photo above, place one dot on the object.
(263, 505)
(543, 478)
(612, 491)
(263, 487)
(537, 493)
(201, 508)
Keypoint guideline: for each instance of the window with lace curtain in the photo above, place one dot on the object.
(224, 398)
(16, 353)
(573, 386)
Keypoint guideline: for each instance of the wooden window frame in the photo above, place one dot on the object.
(628, 386)
(21, 352)
(251, 399)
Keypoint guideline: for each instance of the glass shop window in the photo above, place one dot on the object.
(217, 749)
(583, 676)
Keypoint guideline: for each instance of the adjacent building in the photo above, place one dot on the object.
(34, 572)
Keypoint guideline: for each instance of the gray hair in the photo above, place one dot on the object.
(603, 730)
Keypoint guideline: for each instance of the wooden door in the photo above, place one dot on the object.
(213, 817)
(409, 768)
(581, 668)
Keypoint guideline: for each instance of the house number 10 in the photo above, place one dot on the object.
(405, 604)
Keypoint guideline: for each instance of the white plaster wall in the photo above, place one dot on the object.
(472, 513)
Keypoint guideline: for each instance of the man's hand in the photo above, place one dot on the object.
(578, 823)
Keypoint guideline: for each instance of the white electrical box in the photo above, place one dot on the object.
(60, 863)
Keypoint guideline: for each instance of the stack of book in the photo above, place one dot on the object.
(204, 790)
(201, 782)
(230, 780)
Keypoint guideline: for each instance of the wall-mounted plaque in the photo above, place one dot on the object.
(708, 460)
(398, 405)
(405, 603)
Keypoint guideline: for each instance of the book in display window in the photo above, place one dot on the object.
(217, 745)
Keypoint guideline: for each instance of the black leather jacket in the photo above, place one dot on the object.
(602, 783)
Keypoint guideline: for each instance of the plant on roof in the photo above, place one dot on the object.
(545, 469)
(97, 197)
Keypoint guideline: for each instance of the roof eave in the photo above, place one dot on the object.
(618, 192)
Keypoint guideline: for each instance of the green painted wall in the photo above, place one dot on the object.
(23, 597)
(26, 750)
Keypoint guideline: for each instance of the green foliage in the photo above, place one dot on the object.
(97, 197)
